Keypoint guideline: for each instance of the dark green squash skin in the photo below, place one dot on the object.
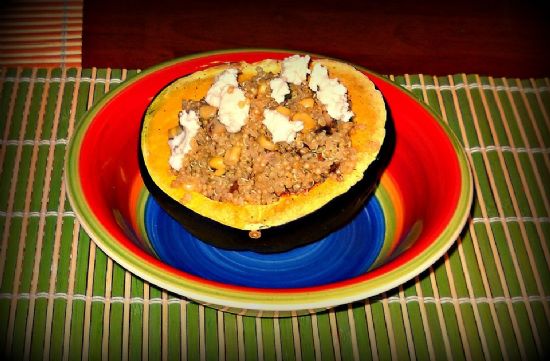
(310, 228)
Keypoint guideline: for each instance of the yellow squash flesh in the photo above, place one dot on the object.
(367, 136)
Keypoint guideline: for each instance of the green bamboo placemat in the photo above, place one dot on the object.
(61, 298)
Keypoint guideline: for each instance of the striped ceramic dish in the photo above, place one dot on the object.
(417, 213)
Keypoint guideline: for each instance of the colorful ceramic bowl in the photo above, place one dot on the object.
(416, 214)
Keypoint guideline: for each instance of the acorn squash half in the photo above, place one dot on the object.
(293, 220)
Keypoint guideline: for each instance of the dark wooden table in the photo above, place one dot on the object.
(499, 38)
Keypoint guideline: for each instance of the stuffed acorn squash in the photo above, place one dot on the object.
(265, 156)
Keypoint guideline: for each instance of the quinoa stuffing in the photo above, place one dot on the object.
(272, 141)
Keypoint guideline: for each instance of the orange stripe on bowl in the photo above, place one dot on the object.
(397, 202)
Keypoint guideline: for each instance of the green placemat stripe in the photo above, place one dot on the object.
(16, 323)
(472, 332)
(43, 225)
(532, 277)
(467, 112)
(524, 204)
(483, 272)
(505, 263)
(538, 161)
(487, 298)
(513, 276)
(14, 328)
(54, 326)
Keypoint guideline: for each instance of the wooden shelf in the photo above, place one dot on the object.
(505, 38)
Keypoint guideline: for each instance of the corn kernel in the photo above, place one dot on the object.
(283, 110)
(307, 102)
(219, 172)
(266, 143)
(216, 163)
(207, 111)
(232, 155)
(307, 120)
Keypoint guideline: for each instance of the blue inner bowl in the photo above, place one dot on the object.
(346, 253)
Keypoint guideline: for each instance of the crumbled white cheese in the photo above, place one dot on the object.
(295, 69)
(279, 89)
(319, 74)
(280, 127)
(331, 93)
(233, 109)
(181, 144)
(227, 78)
